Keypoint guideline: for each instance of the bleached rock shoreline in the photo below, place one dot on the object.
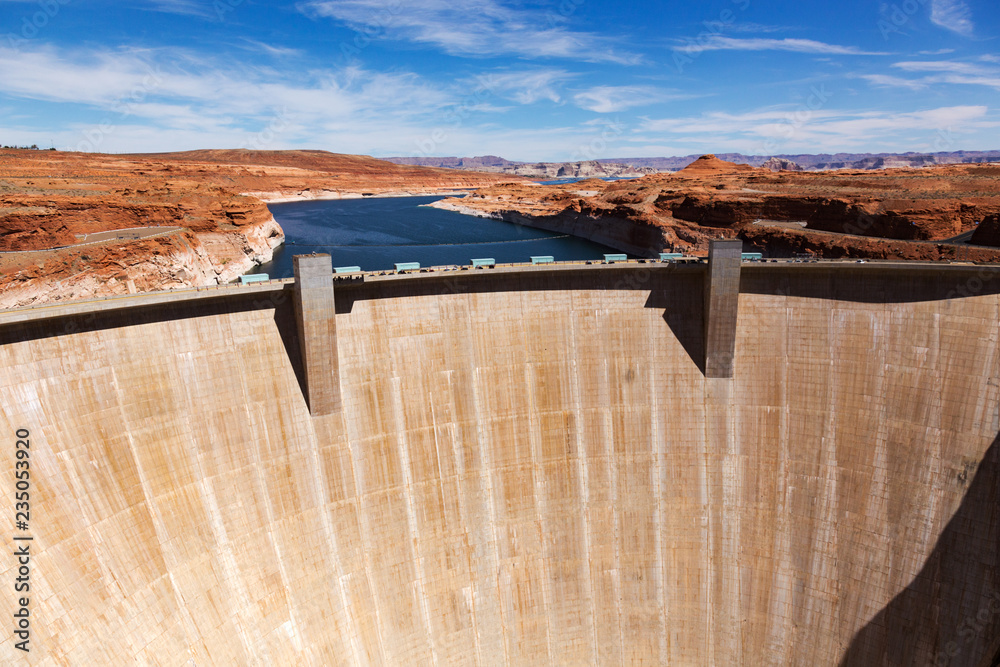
(179, 261)
(618, 233)
(320, 195)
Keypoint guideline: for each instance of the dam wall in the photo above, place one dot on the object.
(526, 467)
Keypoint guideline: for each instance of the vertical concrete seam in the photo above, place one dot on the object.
(275, 541)
(584, 474)
(487, 477)
(778, 642)
(333, 544)
(466, 366)
(190, 627)
(659, 452)
(364, 524)
(412, 529)
(538, 493)
(227, 558)
(613, 479)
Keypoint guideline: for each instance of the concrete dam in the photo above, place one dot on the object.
(624, 464)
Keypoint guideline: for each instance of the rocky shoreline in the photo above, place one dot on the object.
(629, 236)
(171, 261)
(335, 195)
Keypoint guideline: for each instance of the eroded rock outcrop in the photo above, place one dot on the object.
(172, 260)
(538, 170)
(847, 213)
(780, 164)
(988, 231)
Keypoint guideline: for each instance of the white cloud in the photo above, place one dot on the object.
(755, 27)
(720, 43)
(96, 78)
(942, 66)
(953, 15)
(185, 8)
(777, 130)
(132, 87)
(472, 28)
(894, 81)
(274, 51)
(609, 99)
(522, 86)
(540, 144)
(771, 131)
(144, 101)
(988, 81)
(725, 123)
(953, 72)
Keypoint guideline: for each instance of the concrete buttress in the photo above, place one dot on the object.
(316, 321)
(722, 292)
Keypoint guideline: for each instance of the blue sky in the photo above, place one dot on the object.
(544, 80)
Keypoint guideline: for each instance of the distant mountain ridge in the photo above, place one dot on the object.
(492, 163)
(642, 165)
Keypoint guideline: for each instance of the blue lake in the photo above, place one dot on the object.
(377, 232)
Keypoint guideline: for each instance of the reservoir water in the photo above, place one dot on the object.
(375, 233)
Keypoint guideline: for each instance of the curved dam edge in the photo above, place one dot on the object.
(528, 467)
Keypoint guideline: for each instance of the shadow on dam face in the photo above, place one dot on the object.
(869, 286)
(527, 469)
(964, 571)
